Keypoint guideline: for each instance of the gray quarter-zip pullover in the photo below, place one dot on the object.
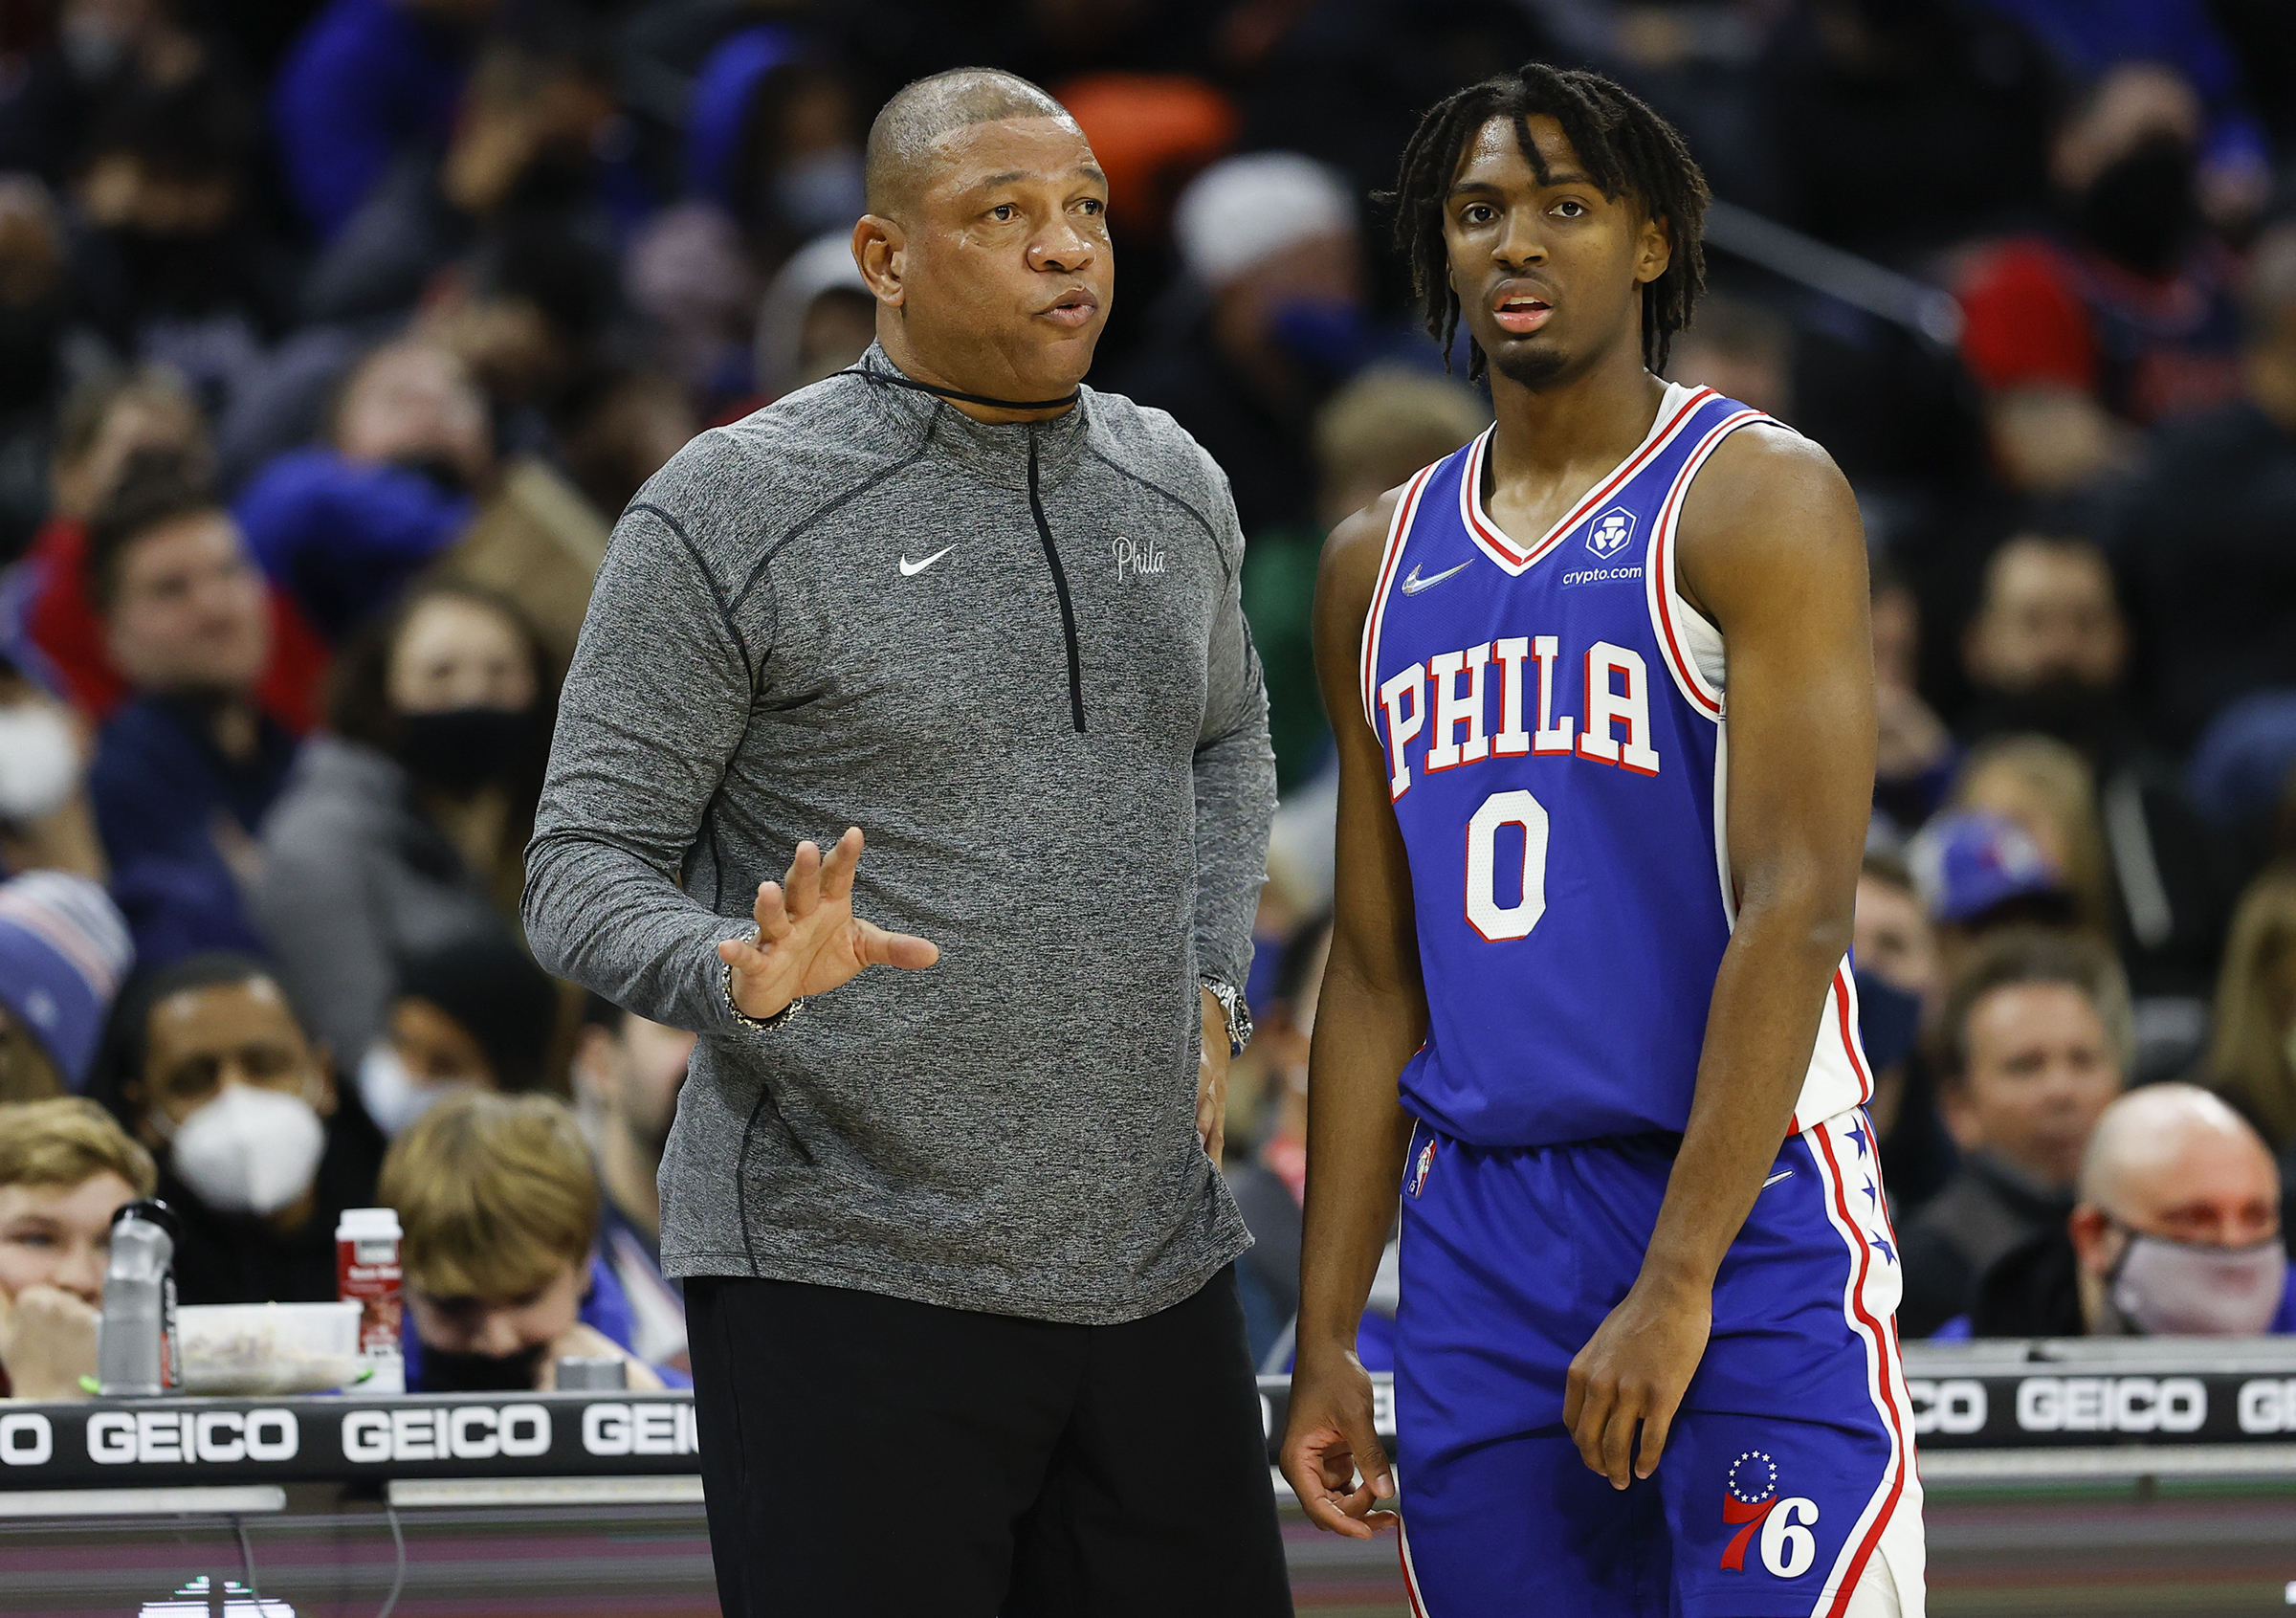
(1016, 657)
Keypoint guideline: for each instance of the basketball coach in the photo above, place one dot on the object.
(956, 1255)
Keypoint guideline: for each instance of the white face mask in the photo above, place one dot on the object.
(2196, 1288)
(39, 760)
(250, 1150)
(395, 1098)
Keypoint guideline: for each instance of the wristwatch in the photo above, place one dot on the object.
(1233, 1006)
(725, 986)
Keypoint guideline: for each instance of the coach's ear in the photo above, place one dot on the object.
(879, 248)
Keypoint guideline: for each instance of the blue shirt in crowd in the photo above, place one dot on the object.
(344, 537)
(368, 79)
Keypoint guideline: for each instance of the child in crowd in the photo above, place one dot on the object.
(498, 1201)
(65, 1168)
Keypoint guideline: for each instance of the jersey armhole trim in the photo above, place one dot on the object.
(1391, 556)
(1668, 611)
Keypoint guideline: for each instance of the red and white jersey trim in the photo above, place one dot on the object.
(1391, 557)
(1674, 412)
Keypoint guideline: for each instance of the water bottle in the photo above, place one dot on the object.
(138, 1355)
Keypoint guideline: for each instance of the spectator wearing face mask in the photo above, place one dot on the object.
(2177, 1235)
(45, 821)
(476, 1014)
(1901, 983)
(404, 828)
(1274, 264)
(63, 952)
(258, 1153)
(2124, 316)
(499, 1205)
(628, 1075)
(65, 1168)
(342, 526)
(2031, 1049)
(2048, 656)
(188, 767)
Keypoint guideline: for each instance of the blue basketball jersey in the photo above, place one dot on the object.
(1558, 753)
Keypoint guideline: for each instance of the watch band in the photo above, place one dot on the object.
(725, 986)
(1233, 1006)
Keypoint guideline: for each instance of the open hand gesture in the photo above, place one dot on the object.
(809, 938)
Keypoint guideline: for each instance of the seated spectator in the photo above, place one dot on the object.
(2242, 778)
(2124, 316)
(2031, 1047)
(2210, 583)
(343, 525)
(2046, 654)
(188, 767)
(500, 1205)
(1978, 873)
(258, 1153)
(45, 821)
(2252, 1052)
(628, 1074)
(1914, 757)
(103, 425)
(1369, 436)
(172, 261)
(406, 827)
(1269, 242)
(473, 1015)
(817, 317)
(1901, 983)
(63, 952)
(65, 1168)
(2177, 1235)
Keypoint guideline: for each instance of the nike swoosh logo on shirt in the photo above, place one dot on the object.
(909, 569)
(1775, 1178)
(1413, 583)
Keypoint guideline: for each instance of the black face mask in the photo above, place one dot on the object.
(28, 353)
(2141, 213)
(462, 749)
(2088, 717)
(457, 1372)
(177, 273)
(438, 470)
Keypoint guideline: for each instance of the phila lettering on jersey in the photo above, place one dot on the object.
(1558, 753)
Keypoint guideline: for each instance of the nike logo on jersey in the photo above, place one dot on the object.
(1775, 1178)
(909, 569)
(1413, 583)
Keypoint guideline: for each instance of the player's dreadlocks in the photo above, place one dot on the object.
(1625, 148)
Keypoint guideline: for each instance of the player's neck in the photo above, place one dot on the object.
(1590, 419)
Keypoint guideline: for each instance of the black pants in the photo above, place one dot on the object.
(867, 1455)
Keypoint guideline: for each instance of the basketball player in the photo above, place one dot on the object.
(1604, 700)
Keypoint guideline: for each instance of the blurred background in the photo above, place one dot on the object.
(333, 336)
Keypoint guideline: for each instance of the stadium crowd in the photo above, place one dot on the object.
(334, 334)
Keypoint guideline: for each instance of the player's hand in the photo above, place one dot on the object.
(1330, 1439)
(1211, 1077)
(809, 938)
(1635, 1370)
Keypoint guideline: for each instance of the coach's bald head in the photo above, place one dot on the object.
(985, 244)
(900, 141)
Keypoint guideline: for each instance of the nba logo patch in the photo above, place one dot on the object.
(1419, 1169)
(1611, 531)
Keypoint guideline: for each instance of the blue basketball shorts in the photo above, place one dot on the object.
(1787, 1488)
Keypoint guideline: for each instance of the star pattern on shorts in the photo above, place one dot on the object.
(1888, 1251)
(1857, 1132)
(1872, 1195)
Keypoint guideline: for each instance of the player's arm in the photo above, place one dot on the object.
(1772, 552)
(1372, 1015)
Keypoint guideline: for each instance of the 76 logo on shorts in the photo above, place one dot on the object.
(1750, 1501)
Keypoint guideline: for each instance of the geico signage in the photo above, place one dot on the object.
(2265, 1405)
(453, 1432)
(26, 1439)
(2111, 1404)
(1954, 1405)
(148, 1437)
(610, 1428)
